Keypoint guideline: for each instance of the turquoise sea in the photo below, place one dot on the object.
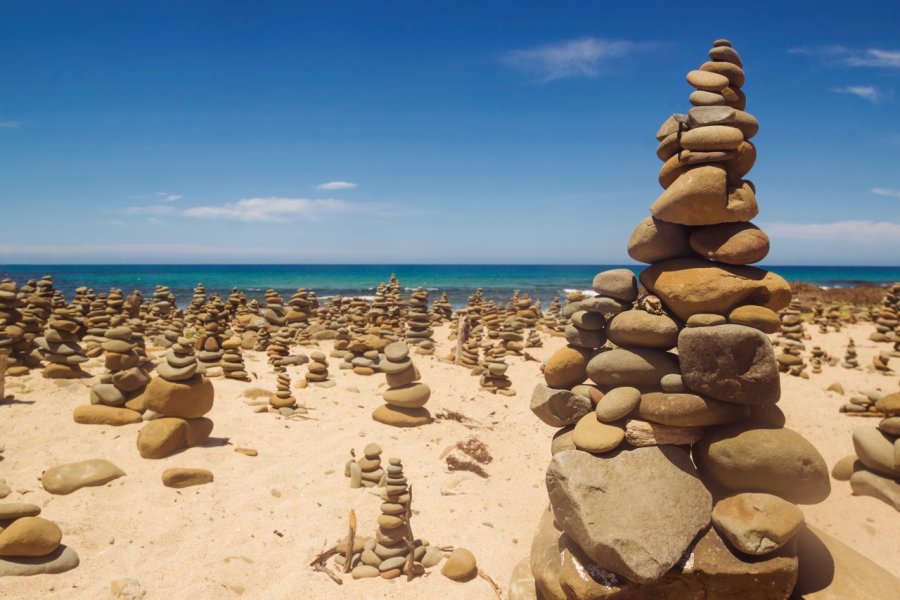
(497, 281)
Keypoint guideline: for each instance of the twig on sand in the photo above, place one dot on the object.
(493, 583)
(351, 537)
(318, 564)
(453, 415)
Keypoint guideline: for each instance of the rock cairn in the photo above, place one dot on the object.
(441, 310)
(792, 324)
(19, 333)
(366, 471)
(790, 359)
(116, 399)
(494, 378)
(178, 399)
(209, 350)
(419, 333)
(405, 397)
(864, 402)
(553, 317)
(317, 369)
(887, 319)
(233, 359)
(851, 361)
(875, 469)
(59, 346)
(31, 545)
(663, 455)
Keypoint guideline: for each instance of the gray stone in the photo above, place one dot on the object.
(634, 511)
(618, 403)
(584, 338)
(732, 363)
(643, 329)
(558, 408)
(620, 284)
(59, 561)
(876, 451)
(67, 478)
(866, 483)
(637, 367)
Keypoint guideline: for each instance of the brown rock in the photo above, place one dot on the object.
(654, 241)
(731, 243)
(98, 414)
(30, 536)
(188, 399)
(160, 438)
(703, 196)
(184, 477)
(757, 317)
(567, 367)
(757, 524)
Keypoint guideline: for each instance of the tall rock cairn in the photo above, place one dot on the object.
(663, 456)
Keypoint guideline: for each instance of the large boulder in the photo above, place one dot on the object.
(732, 363)
(160, 438)
(774, 461)
(703, 196)
(690, 286)
(634, 511)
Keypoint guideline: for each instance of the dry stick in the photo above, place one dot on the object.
(410, 558)
(493, 583)
(318, 564)
(348, 555)
(3, 364)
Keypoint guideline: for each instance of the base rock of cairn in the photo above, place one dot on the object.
(661, 456)
(178, 399)
(31, 545)
(405, 397)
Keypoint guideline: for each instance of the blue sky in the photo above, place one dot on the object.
(448, 131)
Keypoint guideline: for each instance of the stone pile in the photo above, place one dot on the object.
(31, 545)
(792, 324)
(178, 399)
(441, 310)
(366, 471)
(283, 398)
(875, 470)
(494, 378)
(233, 359)
(419, 333)
(116, 399)
(274, 313)
(317, 370)
(406, 396)
(59, 346)
(209, 350)
(863, 403)
(301, 307)
(879, 361)
(672, 476)
(552, 321)
(851, 361)
(887, 319)
(790, 359)
(20, 328)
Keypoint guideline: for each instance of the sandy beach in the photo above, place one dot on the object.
(253, 532)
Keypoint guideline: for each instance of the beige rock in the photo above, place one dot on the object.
(67, 478)
(712, 137)
(702, 195)
(731, 243)
(30, 536)
(756, 523)
(567, 367)
(596, 437)
(654, 241)
(460, 565)
(180, 477)
(98, 414)
(187, 399)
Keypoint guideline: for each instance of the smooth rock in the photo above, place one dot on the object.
(188, 399)
(411, 395)
(730, 243)
(712, 137)
(654, 241)
(59, 561)
(643, 329)
(98, 414)
(619, 284)
(10, 511)
(617, 404)
(844, 469)
(69, 477)
(165, 436)
(637, 367)
(688, 410)
(757, 317)
(876, 451)
(460, 565)
(702, 195)
(757, 524)
(867, 483)
(592, 435)
(558, 408)
(774, 461)
(30, 536)
(180, 477)
(707, 81)
(567, 367)
(401, 417)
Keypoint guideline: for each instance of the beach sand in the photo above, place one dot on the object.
(253, 532)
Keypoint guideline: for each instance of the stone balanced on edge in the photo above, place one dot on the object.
(650, 490)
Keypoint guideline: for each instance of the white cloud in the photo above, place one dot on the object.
(273, 209)
(891, 192)
(336, 185)
(873, 232)
(152, 210)
(584, 57)
(10, 124)
(850, 57)
(167, 197)
(868, 92)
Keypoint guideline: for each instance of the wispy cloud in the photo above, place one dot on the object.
(167, 197)
(852, 57)
(890, 192)
(873, 232)
(336, 185)
(583, 57)
(274, 209)
(867, 92)
(10, 124)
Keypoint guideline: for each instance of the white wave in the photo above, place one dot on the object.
(588, 293)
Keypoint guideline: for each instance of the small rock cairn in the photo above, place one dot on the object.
(405, 397)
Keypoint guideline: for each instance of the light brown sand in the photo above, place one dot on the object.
(253, 531)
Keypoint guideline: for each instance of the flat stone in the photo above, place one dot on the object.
(757, 317)
(712, 137)
(707, 81)
(59, 561)
(180, 477)
(642, 329)
(702, 98)
(689, 410)
(774, 461)
(173, 374)
(15, 510)
(635, 511)
(583, 338)
(108, 394)
(596, 437)
(130, 380)
(67, 478)
(696, 198)
(867, 483)
(412, 395)
(731, 363)
(97, 414)
(637, 367)
(878, 452)
(757, 524)
(619, 284)
(401, 417)
(397, 352)
(705, 320)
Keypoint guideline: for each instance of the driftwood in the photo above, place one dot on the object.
(462, 335)
(493, 583)
(351, 537)
(642, 433)
(865, 414)
(4, 362)
(318, 564)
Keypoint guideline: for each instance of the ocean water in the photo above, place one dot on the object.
(459, 281)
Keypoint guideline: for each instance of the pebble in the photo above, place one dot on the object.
(460, 565)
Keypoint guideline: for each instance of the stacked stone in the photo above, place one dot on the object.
(792, 326)
(280, 346)
(263, 341)
(209, 350)
(339, 349)
(317, 369)
(419, 333)
(178, 397)
(851, 361)
(391, 548)
(163, 323)
(705, 442)
(98, 321)
(233, 360)
(533, 339)
(283, 398)
(494, 378)
(117, 397)
(31, 545)
(880, 362)
(59, 346)
(790, 359)
(527, 311)
(405, 397)
(366, 471)
(441, 310)
(875, 470)
(552, 318)
(300, 308)
(198, 301)
(511, 336)
(362, 354)
(274, 312)
(20, 335)
(471, 354)
(887, 319)
(863, 402)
